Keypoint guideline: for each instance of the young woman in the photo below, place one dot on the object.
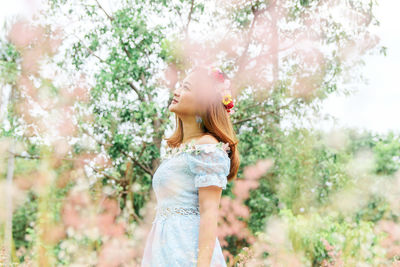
(201, 157)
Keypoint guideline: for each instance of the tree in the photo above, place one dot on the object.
(283, 57)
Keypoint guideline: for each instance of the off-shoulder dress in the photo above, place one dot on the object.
(173, 238)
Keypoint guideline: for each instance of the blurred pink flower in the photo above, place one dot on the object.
(74, 210)
(106, 219)
(116, 252)
(22, 33)
(254, 172)
(392, 241)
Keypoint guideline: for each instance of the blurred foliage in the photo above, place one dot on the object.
(23, 217)
(130, 118)
(356, 242)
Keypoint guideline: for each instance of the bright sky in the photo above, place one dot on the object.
(375, 106)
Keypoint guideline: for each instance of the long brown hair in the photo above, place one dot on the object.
(216, 122)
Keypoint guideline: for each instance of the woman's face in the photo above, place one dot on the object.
(186, 100)
(193, 94)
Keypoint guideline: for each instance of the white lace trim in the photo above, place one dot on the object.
(195, 148)
(208, 179)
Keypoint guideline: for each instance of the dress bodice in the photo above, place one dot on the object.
(186, 168)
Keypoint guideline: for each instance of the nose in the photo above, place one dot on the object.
(175, 96)
(177, 92)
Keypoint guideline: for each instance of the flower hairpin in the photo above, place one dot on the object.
(225, 90)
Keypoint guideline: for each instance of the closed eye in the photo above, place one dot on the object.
(185, 85)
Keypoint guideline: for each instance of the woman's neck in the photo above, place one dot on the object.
(191, 129)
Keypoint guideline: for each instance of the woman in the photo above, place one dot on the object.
(200, 159)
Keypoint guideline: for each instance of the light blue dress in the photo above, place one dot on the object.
(174, 236)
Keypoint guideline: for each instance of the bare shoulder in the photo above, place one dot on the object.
(207, 139)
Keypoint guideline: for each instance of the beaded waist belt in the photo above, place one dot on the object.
(165, 212)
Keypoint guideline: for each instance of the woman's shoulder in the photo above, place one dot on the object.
(207, 139)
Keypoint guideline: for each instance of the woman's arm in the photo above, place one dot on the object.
(209, 199)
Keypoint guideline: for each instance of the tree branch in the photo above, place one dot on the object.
(141, 165)
(140, 96)
(240, 60)
(24, 157)
(189, 18)
(38, 158)
(108, 16)
(90, 50)
(267, 113)
(105, 174)
(126, 50)
(254, 117)
(180, 16)
(145, 168)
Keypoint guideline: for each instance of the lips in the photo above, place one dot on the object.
(174, 101)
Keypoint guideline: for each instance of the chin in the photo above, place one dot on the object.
(172, 108)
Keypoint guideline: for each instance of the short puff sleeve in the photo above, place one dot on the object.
(210, 165)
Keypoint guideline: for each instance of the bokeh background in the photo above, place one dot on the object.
(85, 87)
